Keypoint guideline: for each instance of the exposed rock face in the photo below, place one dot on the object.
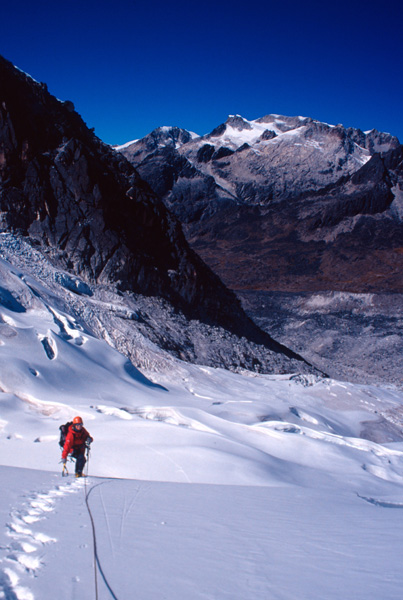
(288, 203)
(186, 190)
(89, 210)
(74, 195)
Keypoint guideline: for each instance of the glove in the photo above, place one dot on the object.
(88, 442)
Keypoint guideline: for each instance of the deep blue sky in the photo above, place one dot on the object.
(132, 66)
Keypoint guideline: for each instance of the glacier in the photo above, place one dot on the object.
(202, 483)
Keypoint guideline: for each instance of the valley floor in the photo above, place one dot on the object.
(357, 337)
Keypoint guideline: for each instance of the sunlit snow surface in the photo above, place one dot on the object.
(203, 483)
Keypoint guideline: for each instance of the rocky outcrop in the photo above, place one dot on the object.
(71, 193)
(185, 189)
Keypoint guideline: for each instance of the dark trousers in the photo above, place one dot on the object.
(79, 455)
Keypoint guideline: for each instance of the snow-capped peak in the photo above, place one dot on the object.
(123, 146)
(166, 135)
(238, 131)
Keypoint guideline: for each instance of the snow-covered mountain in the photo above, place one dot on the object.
(316, 206)
(267, 159)
(289, 205)
(202, 482)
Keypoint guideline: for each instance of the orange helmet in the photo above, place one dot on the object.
(77, 420)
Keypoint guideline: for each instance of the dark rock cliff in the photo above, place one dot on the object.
(89, 210)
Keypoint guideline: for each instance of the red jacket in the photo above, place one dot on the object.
(75, 440)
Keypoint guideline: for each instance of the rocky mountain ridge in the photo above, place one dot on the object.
(284, 203)
(86, 209)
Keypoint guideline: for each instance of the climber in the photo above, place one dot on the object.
(77, 440)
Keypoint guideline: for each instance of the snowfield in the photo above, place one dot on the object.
(203, 484)
(173, 540)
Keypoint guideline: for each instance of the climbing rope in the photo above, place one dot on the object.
(96, 561)
(94, 537)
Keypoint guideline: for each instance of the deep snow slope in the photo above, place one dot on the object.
(52, 365)
(148, 330)
(168, 540)
(204, 483)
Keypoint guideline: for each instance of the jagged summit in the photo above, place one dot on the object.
(254, 162)
(162, 136)
(277, 138)
(284, 193)
(237, 131)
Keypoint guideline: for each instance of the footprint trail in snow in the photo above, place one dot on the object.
(22, 558)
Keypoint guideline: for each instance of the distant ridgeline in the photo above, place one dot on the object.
(284, 203)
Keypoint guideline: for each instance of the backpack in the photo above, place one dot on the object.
(64, 429)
